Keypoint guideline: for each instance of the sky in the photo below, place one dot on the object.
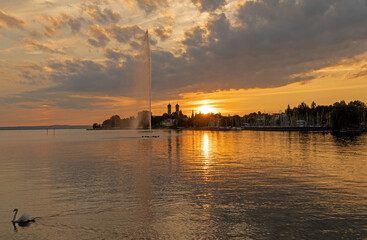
(74, 62)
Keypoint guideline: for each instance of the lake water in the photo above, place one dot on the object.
(184, 185)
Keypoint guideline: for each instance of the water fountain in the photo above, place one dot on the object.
(143, 82)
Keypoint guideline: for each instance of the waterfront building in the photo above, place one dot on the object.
(169, 122)
(301, 123)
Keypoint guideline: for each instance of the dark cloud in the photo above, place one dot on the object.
(31, 74)
(163, 32)
(209, 5)
(104, 16)
(63, 20)
(115, 54)
(276, 40)
(151, 5)
(80, 75)
(100, 36)
(75, 24)
(11, 21)
(124, 34)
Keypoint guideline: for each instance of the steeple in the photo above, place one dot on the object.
(169, 109)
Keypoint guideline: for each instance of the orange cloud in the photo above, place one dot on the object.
(103, 16)
(98, 33)
(31, 43)
(163, 32)
(11, 21)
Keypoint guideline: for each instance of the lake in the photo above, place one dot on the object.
(183, 185)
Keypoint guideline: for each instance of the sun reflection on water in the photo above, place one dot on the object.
(205, 147)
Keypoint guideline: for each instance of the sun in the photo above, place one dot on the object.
(206, 109)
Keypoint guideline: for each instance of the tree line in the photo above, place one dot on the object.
(339, 115)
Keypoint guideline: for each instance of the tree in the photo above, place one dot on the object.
(303, 110)
(96, 126)
(115, 121)
(313, 113)
(313, 105)
(361, 105)
(106, 123)
(345, 116)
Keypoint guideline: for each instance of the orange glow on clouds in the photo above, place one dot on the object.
(344, 81)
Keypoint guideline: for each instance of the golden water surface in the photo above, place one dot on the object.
(183, 185)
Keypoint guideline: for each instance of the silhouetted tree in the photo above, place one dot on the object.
(115, 121)
(106, 123)
(344, 116)
(96, 126)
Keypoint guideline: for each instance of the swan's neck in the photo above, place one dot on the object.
(15, 214)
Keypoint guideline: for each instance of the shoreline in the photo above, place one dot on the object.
(267, 129)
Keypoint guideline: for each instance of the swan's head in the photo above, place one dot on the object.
(15, 210)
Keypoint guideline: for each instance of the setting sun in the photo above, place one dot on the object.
(206, 109)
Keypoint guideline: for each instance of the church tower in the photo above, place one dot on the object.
(169, 109)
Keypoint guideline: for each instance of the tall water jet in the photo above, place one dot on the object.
(149, 77)
(143, 84)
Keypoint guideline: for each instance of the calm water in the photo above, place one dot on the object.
(188, 185)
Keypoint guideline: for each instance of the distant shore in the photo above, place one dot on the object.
(46, 127)
(254, 128)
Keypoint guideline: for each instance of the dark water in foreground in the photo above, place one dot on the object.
(188, 185)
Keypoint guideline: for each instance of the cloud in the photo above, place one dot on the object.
(49, 4)
(270, 44)
(56, 22)
(86, 76)
(125, 34)
(163, 32)
(78, 77)
(115, 54)
(209, 5)
(75, 24)
(49, 31)
(64, 100)
(11, 21)
(34, 44)
(62, 20)
(35, 34)
(102, 16)
(151, 5)
(32, 73)
(100, 35)
(274, 40)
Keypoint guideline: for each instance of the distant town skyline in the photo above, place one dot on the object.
(71, 62)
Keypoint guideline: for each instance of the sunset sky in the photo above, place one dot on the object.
(72, 62)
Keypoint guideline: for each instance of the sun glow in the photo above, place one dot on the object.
(206, 109)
